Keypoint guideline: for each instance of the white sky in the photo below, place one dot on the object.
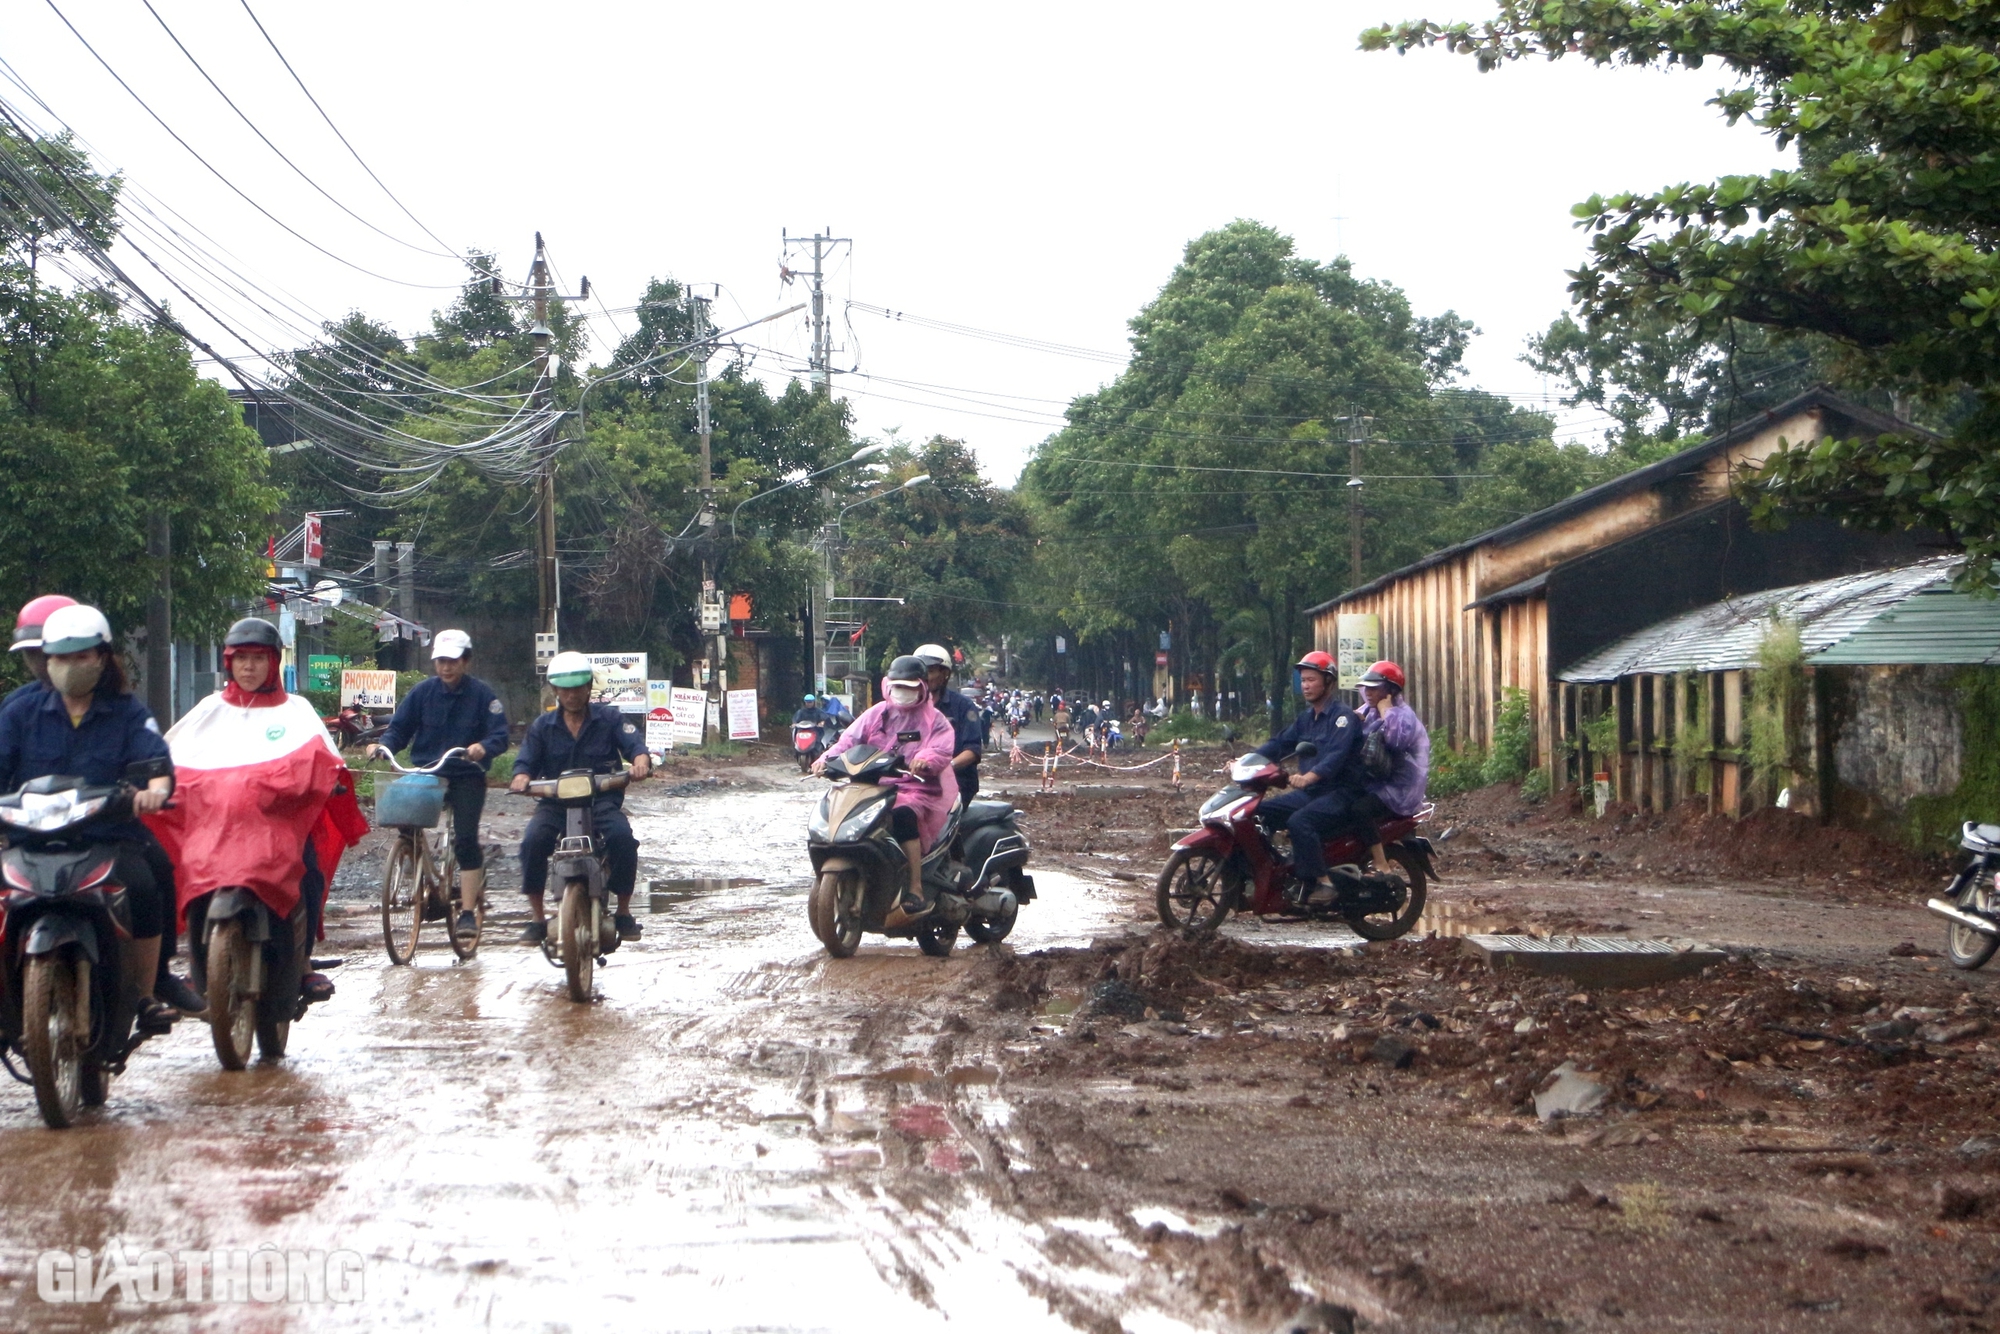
(1032, 169)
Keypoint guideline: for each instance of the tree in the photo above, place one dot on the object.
(1881, 241)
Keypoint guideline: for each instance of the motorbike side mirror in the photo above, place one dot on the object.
(1305, 750)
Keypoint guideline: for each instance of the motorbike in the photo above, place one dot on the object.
(1971, 904)
(64, 1007)
(251, 962)
(972, 872)
(809, 742)
(584, 930)
(1231, 864)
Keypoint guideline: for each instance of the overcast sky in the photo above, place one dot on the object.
(1031, 170)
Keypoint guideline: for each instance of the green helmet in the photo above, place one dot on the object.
(570, 669)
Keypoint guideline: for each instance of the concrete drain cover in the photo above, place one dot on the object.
(1596, 961)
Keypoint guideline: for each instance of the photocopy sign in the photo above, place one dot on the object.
(368, 689)
(1357, 646)
(321, 670)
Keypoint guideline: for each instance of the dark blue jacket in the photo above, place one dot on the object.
(19, 692)
(431, 720)
(1337, 733)
(608, 736)
(967, 732)
(37, 739)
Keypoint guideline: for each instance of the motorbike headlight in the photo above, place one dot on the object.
(856, 826)
(574, 787)
(821, 824)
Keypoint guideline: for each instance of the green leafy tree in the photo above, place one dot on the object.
(1879, 243)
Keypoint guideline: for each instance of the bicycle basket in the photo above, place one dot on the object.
(413, 801)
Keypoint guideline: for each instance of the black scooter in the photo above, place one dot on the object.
(972, 872)
(585, 931)
(64, 1006)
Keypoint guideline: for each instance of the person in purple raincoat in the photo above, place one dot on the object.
(908, 724)
(1400, 791)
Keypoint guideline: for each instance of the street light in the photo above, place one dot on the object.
(866, 451)
(920, 477)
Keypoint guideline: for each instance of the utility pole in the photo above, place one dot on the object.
(1357, 436)
(160, 619)
(713, 614)
(822, 343)
(541, 291)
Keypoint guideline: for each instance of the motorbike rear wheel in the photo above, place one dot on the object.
(1390, 925)
(402, 901)
(1196, 892)
(577, 921)
(992, 930)
(50, 1040)
(1965, 947)
(232, 1008)
(835, 913)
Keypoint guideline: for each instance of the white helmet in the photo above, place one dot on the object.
(74, 629)
(933, 655)
(570, 669)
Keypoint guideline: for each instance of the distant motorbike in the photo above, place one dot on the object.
(972, 872)
(809, 742)
(1972, 902)
(64, 1007)
(584, 930)
(1230, 864)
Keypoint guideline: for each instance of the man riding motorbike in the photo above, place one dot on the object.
(578, 734)
(968, 731)
(89, 725)
(908, 722)
(445, 711)
(1323, 793)
(265, 802)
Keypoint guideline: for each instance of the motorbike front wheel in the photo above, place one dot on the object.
(232, 1006)
(1196, 892)
(835, 913)
(1965, 947)
(1390, 925)
(51, 1038)
(577, 921)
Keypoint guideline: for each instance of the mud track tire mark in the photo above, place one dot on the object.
(53, 1047)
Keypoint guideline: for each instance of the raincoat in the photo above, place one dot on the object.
(881, 726)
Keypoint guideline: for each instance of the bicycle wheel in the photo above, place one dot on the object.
(402, 899)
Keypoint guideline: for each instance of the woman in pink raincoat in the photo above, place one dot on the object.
(908, 724)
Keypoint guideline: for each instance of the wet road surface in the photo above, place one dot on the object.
(739, 1134)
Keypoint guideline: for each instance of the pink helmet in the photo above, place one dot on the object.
(28, 625)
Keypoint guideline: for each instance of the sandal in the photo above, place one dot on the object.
(316, 987)
(156, 1016)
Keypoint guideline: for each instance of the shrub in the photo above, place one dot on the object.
(1513, 734)
(1454, 771)
(1535, 787)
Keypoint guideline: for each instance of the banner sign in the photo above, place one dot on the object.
(1357, 646)
(742, 715)
(690, 710)
(659, 716)
(368, 689)
(620, 680)
(323, 671)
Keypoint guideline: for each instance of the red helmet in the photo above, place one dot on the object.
(1317, 661)
(1383, 673)
(28, 625)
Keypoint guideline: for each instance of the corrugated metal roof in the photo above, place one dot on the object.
(1938, 625)
(1829, 614)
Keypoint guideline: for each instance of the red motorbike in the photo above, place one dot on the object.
(1231, 865)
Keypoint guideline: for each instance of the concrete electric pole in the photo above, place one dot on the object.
(1357, 436)
(822, 382)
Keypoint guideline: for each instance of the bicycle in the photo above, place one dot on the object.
(420, 879)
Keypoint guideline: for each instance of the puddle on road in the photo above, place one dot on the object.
(665, 894)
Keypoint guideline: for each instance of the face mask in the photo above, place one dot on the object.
(905, 695)
(76, 679)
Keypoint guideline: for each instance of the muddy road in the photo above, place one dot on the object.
(1099, 1126)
